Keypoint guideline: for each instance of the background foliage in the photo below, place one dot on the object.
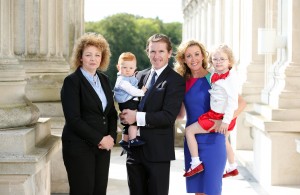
(126, 32)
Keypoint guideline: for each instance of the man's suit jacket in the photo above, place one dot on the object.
(85, 118)
(162, 107)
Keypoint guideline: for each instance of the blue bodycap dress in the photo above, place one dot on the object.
(211, 147)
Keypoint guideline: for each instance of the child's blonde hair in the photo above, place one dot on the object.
(225, 49)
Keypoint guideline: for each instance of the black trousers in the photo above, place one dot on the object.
(145, 177)
(132, 105)
(87, 168)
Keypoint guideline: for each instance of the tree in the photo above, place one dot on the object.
(128, 33)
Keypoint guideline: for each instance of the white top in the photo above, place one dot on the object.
(224, 96)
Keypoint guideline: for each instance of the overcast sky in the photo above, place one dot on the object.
(166, 10)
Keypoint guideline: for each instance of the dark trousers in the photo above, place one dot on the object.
(87, 168)
(144, 177)
(132, 105)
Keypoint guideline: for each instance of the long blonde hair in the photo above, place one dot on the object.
(180, 66)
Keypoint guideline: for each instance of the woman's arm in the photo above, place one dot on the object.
(181, 113)
(242, 105)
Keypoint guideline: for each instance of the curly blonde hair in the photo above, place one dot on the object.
(180, 66)
(91, 39)
(225, 49)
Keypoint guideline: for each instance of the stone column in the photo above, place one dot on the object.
(210, 26)
(196, 18)
(26, 144)
(184, 25)
(15, 109)
(51, 29)
(189, 22)
(251, 66)
(203, 22)
(217, 38)
(276, 122)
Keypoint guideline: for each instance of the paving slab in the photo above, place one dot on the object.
(244, 183)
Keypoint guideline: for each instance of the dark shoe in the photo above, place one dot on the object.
(135, 142)
(124, 152)
(123, 143)
(194, 171)
(232, 173)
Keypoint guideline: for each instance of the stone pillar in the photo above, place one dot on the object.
(297, 145)
(251, 66)
(50, 38)
(188, 19)
(203, 23)
(196, 19)
(51, 29)
(210, 26)
(15, 109)
(26, 144)
(217, 22)
(276, 122)
(184, 25)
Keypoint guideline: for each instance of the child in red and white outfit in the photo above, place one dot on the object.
(223, 103)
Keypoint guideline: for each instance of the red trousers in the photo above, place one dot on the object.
(206, 123)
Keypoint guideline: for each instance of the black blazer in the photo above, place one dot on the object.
(85, 118)
(162, 107)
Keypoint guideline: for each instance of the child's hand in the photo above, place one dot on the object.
(216, 126)
(223, 128)
(144, 89)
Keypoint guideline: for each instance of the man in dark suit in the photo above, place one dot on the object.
(148, 166)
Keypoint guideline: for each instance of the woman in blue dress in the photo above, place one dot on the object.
(192, 64)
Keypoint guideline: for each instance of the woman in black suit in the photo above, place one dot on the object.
(91, 118)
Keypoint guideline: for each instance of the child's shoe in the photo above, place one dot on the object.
(123, 143)
(194, 171)
(135, 142)
(231, 173)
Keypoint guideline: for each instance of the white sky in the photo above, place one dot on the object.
(166, 10)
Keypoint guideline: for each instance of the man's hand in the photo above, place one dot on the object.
(106, 143)
(128, 116)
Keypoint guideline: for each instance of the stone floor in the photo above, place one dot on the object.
(243, 184)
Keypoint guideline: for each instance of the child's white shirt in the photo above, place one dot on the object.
(224, 96)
